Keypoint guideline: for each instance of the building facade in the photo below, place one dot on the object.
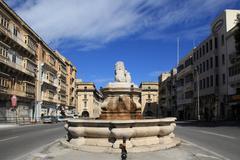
(71, 87)
(233, 50)
(18, 47)
(167, 93)
(207, 80)
(89, 99)
(184, 88)
(149, 99)
(210, 59)
(31, 73)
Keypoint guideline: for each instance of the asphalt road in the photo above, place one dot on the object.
(18, 141)
(220, 140)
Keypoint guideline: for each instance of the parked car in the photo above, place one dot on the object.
(61, 119)
(49, 119)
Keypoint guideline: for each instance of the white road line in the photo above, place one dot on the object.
(6, 139)
(216, 134)
(207, 150)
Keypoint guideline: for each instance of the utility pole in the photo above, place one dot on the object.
(198, 99)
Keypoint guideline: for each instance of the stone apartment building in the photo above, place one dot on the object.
(18, 50)
(184, 88)
(216, 62)
(89, 99)
(167, 93)
(29, 70)
(210, 58)
(149, 99)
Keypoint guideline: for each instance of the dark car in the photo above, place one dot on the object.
(49, 119)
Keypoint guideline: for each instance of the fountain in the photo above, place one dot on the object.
(121, 119)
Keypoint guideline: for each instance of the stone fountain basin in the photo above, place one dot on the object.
(109, 133)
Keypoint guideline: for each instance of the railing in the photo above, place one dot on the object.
(29, 65)
(17, 39)
(29, 88)
(25, 68)
(17, 120)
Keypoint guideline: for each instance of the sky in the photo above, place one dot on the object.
(95, 34)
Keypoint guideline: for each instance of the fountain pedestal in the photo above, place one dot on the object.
(121, 119)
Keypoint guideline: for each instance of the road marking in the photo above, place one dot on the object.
(207, 150)
(6, 139)
(216, 134)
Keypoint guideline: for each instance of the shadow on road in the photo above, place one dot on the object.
(209, 124)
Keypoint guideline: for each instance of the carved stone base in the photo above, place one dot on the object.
(120, 115)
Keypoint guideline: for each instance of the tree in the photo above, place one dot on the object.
(237, 35)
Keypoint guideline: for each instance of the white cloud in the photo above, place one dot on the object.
(91, 24)
(155, 73)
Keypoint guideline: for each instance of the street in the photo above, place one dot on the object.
(223, 141)
(18, 141)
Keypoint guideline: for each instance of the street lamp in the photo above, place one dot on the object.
(196, 70)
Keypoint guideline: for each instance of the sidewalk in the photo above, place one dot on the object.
(7, 125)
(4, 126)
(186, 151)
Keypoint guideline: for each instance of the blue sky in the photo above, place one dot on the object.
(94, 34)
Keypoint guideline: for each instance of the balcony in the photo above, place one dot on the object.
(26, 66)
(49, 97)
(234, 80)
(19, 40)
(29, 88)
(188, 86)
(179, 88)
(184, 71)
(22, 89)
(233, 57)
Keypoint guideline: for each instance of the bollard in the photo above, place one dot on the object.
(124, 150)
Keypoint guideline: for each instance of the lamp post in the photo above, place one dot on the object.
(198, 101)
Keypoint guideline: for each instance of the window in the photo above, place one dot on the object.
(200, 84)
(210, 43)
(3, 51)
(222, 40)
(149, 96)
(207, 64)
(194, 56)
(85, 104)
(197, 54)
(211, 80)
(4, 22)
(216, 61)
(207, 47)
(207, 82)
(223, 79)
(204, 83)
(200, 68)
(211, 62)
(223, 59)
(200, 52)
(15, 31)
(203, 66)
(203, 49)
(217, 80)
(216, 42)
(85, 96)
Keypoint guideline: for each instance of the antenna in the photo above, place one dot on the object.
(178, 39)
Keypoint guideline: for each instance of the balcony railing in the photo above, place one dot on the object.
(18, 40)
(28, 67)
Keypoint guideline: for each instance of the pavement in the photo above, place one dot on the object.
(201, 141)
(221, 138)
(186, 151)
(16, 141)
